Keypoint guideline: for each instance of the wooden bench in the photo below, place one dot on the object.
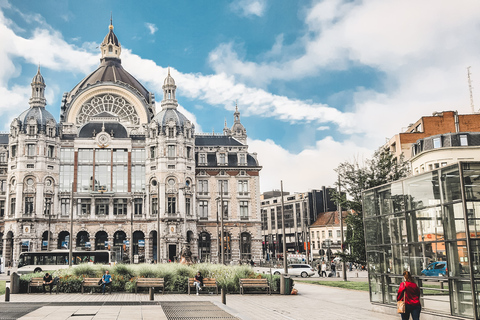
(93, 282)
(254, 283)
(150, 283)
(207, 283)
(38, 282)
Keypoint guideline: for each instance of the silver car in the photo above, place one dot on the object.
(303, 270)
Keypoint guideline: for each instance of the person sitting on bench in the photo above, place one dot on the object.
(198, 281)
(106, 281)
(47, 281)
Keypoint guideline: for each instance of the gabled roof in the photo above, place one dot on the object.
(329, 219)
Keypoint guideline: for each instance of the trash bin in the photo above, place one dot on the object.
(286, 284)
(14, 283)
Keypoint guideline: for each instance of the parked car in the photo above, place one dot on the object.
(436, 269)
(303, 270)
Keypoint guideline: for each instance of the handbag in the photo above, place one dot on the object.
(401, 303)
(100, 282)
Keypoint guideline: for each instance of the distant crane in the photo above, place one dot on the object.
(470, 88)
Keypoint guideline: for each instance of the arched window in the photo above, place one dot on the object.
(101, 240)
(82, 238)
(118, 238)
(204, 243)
(139, 245)
(63, 240)
(245, 246)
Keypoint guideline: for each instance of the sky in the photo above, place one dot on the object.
(317, 83)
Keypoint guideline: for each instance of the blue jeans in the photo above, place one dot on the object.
(105, 285)
(411, 310)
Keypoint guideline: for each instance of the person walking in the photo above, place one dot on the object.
(106, 281)
(324, 269)
(409, 291)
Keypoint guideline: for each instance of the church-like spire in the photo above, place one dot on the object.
(110, 46)
(37, 98)
(169, 91)
(238, 130)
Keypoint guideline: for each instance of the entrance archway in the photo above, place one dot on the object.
(245, 246)
(139, 245)
(9, 249)
(101, 240)
(204, 244)
(63, 240)
(82, 238)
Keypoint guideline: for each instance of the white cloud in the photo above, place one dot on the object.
(309, 169)
(152, 28)
(248, 8)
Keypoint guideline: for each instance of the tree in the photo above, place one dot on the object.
(354, 178)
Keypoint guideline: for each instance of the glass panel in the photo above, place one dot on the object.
(120, 178)
(369, 203)
(372, 231)
(390, 199)
(473, 216)
(85, 177)
(393, 229)
(461, 298)
(374, 258)
(454, 221)
(425, 225)
(471, 179)
(428, 259)
(422, 191)
(451, 184)
(102, 178)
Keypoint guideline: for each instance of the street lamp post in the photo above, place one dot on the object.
(47, 210)
(341, 234)
(222, 257)
(70, 240)
(156, 183)
(283, 233)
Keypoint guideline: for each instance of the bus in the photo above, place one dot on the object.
(54, 260)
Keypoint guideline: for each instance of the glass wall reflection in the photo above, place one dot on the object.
(429, 225)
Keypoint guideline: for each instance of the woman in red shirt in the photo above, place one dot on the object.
(412, 297)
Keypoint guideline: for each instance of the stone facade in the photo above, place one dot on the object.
(112, 163)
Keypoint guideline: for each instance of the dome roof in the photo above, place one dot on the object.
(169, 80)
(40, 114)
(38, 78)
(111, 37)
(111, 70)
(171, 114)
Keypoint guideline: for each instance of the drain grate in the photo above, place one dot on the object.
(194, 310)
(84, 315)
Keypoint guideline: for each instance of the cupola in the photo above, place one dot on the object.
(110, 46)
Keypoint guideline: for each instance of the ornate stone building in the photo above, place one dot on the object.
(114, 164)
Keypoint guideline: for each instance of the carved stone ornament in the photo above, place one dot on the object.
(103, 139)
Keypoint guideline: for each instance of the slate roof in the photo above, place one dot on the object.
(216, 141)
(40, 114)
(3, 138)
(119, 131)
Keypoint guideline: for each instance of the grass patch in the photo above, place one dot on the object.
(2, 287)
(352, 285)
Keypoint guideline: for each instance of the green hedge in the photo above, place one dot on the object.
(176, 276)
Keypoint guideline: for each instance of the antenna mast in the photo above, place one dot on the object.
(470, 88)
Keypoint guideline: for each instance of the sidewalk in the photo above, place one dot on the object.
(312, 302)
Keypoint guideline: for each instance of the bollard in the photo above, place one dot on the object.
(151, 293)
(357, 274)
(7, 291)
(8, 272)
(224, 297)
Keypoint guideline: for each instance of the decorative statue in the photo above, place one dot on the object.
(186, 255)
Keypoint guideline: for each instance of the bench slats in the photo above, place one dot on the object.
(254, 283)
(207, 283)
(38, 282)
(150, 283)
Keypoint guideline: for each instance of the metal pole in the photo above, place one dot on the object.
(341, 233)
(283, 233)
(158, 222)
(130, 246)
(222, 255)
(307, 233)
(70, 241)
(49, 222)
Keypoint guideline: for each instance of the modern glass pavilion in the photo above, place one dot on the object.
(428, 224)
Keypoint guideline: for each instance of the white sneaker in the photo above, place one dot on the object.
(197, 293)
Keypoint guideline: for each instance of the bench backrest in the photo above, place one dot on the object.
(91, 280)
(206, 281)
(253, 281)
(150, 280)
(35, 281)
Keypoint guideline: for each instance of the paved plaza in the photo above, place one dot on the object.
(312, 302)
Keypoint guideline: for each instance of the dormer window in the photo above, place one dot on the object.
(31, 130)
(202, 159)
(242, 159)
(110, 49)
(171, 133)
(222, 159)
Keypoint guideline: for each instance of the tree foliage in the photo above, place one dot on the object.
(355, 177)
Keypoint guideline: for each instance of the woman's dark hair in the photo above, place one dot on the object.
(408, 276)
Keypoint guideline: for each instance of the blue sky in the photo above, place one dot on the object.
(317, 82)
